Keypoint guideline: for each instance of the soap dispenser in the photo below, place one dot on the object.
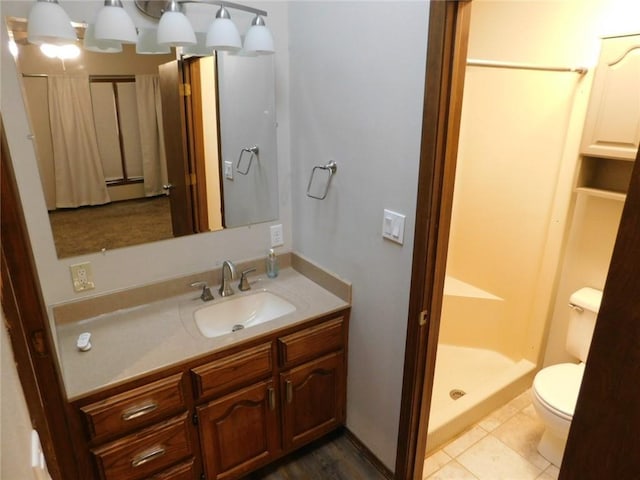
(272, 264)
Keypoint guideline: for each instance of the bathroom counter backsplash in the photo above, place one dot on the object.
(137, 340)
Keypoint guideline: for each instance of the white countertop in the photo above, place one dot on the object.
(135, 341)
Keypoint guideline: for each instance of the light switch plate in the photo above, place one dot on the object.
(277, 238)
(82, 277)
(228, 170)
(393, 226)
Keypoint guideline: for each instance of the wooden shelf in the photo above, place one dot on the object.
(597, 192)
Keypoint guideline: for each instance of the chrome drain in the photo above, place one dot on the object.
(237, 327)
(456, 393)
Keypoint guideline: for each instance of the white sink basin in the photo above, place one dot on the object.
(237, 313)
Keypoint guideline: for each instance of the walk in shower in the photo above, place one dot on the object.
(513, 184)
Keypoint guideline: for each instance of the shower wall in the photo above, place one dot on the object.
(512, 140)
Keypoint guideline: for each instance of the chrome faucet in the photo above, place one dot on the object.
(228, 274)
(206, 295)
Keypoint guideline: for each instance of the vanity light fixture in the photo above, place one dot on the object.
(114, 23)
(49, 23)
(223, 33)
(199, 49)
(174, 28)
(13, 49)
(259, 38)
(148, 43)
(62, 52)
(92, 44)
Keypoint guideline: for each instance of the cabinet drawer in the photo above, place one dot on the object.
(311, 342)
(182, 471)
(233, 371)
(126, 411)
(144, 453)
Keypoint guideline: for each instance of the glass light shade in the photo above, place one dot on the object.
(175, 30)
(49, 23)
(223, 35)
(63, 52)
(113, 23)
(13, 48)
(200, 49)
(91, 44)
(258, 38)
(148, 43)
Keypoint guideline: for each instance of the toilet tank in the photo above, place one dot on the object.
(584, 304)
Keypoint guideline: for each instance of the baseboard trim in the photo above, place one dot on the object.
(368, 454)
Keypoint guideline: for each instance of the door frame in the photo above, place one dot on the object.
(27, 325)
(448, 37)
(602, 442)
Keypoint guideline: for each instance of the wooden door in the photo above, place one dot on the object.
(239, 432)
(605, 430)
(204, 143)
(313, 399)
(196, 143)
(175, 140)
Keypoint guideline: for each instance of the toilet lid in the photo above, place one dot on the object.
(558, 386)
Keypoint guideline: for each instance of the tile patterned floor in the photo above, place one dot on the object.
(501, 446)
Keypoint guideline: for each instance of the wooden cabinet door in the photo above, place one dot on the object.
(313, 399)
(612, 126)
(239, 431)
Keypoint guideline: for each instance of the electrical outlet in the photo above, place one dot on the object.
(277, 239)
(82, 277)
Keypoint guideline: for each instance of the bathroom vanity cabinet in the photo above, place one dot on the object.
(612, 125)
(223, 415)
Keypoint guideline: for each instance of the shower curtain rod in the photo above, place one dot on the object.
(91, 77)
(524, 66)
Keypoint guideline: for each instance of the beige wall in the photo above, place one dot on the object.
(589, 247)
(518, 151)
(533, 128)
(514, 129)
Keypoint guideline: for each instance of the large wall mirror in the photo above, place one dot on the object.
(135, 148)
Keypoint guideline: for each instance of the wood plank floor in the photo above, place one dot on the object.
(334, 458)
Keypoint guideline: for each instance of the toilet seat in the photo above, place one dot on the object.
(557, 387)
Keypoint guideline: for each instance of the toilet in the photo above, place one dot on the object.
(555, 388)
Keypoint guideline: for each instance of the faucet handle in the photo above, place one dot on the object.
(206, 291)
(243, 286)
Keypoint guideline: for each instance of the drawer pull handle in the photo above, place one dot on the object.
(272, 398)
(289, 391)
(139, 411)
(147, 456)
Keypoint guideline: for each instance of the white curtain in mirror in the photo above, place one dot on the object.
(154, 164)
(79, 176)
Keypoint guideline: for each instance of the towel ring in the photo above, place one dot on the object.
(253, 151)
(332, 168)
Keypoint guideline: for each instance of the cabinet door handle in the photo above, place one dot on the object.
(147, 456)
(139, 411)
(289, 391)
(272, 398)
